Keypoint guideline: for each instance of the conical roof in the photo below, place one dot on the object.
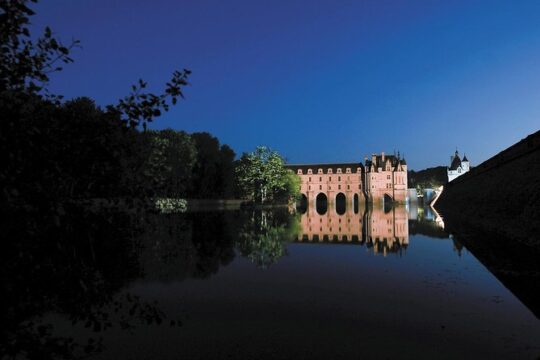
(456, 162)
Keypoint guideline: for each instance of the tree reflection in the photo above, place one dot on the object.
(263, 235)
(72, 261)
(193, 245)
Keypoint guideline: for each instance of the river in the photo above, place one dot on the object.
(277, 284)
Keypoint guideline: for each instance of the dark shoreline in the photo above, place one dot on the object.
(515, 264)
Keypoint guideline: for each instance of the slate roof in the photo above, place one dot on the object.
(394, 161)
(456, 162)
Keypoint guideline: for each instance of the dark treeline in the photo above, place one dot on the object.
(72, 177)
(76, 179)
(54, 150)
(194, 166)
(429, 178)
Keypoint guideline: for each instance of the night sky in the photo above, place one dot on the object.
(319, 81)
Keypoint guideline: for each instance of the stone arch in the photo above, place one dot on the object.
(341, 203)
(302, 204)
(388, 203)
(321, 203)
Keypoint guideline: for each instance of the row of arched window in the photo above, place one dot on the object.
(328, 171)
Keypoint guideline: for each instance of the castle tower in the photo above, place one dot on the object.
(386, 177)
(465, 163)
(457, 166)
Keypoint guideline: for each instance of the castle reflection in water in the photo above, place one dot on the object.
(382, 230)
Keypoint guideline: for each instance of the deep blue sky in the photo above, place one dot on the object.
(319, 81)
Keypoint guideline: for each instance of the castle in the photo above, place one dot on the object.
(383, 178)
(458, 166)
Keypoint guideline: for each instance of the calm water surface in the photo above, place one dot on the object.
(269, 284)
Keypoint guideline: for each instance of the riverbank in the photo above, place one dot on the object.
(501, 195)
(516, 266)
(226, 204)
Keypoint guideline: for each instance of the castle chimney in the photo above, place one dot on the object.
(382, 156)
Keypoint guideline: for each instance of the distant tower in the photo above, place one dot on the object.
(465, 163)
(458, 166)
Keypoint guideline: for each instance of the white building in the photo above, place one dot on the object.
(458, 166)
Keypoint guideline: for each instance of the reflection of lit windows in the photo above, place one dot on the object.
(348, 187)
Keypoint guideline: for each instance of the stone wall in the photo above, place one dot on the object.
(501, 195)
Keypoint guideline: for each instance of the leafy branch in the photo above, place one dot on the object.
(26, 64)
(140, 108)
